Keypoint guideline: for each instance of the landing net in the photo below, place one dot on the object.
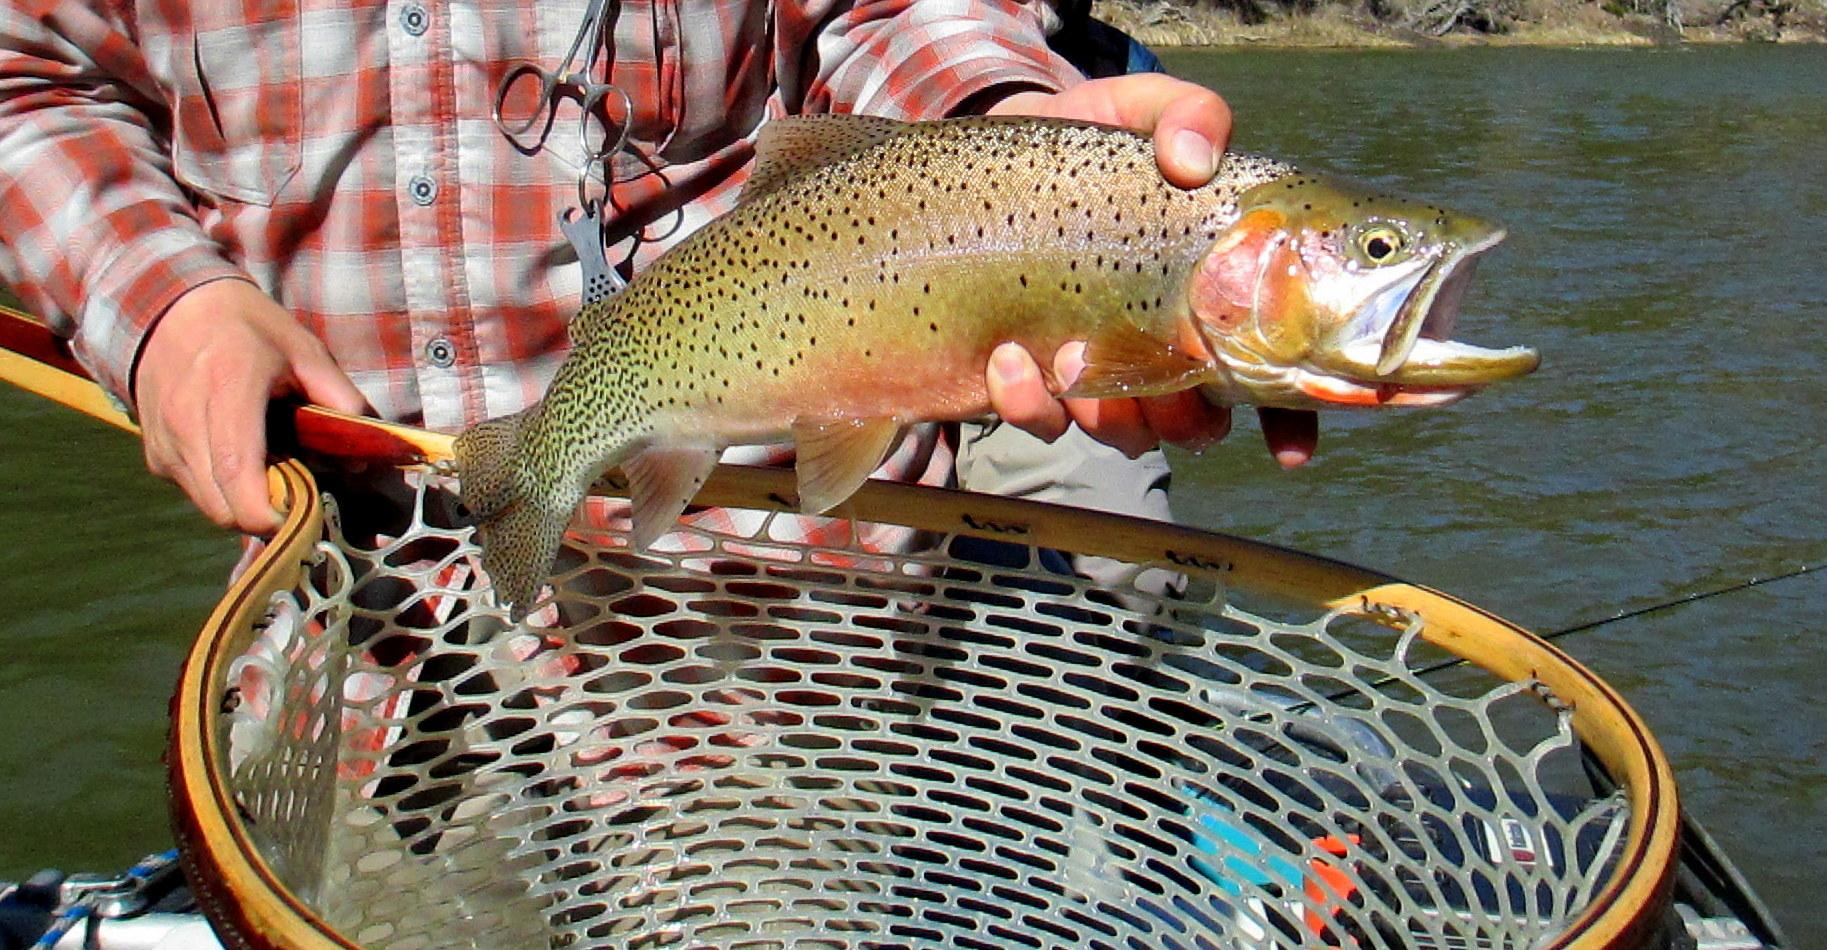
(751, 743)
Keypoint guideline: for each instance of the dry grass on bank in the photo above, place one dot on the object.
(1536, 22)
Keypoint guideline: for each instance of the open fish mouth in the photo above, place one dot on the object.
(1400, 351)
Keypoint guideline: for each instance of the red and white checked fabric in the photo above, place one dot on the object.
(340, 154)
(288, 666)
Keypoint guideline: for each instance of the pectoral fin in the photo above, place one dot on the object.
(1124, 361)
(836, 458)
(661, 482)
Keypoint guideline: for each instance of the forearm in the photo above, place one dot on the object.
(923, 59)
(95, 234)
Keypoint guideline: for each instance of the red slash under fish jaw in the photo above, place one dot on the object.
(1334, 391)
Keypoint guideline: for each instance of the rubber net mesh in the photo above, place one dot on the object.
(762, 744)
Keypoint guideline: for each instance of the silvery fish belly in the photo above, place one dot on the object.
(873, 265)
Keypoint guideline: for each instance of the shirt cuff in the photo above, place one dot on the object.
(933, 80)
(942, 90)
(129, 295)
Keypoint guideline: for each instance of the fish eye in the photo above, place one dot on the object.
(1381, 244)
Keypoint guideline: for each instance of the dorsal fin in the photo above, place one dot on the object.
(794, 145)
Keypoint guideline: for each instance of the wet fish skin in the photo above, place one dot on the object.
(861, 285)
(1302, 314)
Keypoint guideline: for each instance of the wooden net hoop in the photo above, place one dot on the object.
(762, 744)
(755, 743)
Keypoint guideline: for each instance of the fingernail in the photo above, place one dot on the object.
(1068, 363)
(1195, 152)
(1007, 363)
(1291, 458)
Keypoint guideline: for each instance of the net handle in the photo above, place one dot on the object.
(36, 360)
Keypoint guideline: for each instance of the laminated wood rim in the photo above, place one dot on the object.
(250, 907)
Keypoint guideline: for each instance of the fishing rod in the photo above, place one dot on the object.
(1701, 852)
(1681, 601)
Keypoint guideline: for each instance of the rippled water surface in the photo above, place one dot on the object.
(1668, 214)
(1668, 219)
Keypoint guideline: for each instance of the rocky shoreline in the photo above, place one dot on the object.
(1165, 23)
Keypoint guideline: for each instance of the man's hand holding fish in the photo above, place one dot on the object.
(817, 255)
(224, 336)
(1190, 126)
(874, 269)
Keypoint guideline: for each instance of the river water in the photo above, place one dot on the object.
(1668, 211)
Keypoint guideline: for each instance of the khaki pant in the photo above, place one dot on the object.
(1074, 470)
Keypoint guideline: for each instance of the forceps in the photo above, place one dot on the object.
(585, 230)
(564, 83)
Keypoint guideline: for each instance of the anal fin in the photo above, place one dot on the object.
(1125, 361)
(836, 458)
(661, 482)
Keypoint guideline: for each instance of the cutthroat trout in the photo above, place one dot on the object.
(873, 265)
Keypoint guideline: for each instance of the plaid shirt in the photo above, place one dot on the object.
(340, 153)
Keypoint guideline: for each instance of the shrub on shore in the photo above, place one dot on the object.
(1413, 22)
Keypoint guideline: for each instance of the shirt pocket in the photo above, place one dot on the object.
(237, 120)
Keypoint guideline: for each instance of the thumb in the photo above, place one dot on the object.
(1190, 134)
(1191, 124)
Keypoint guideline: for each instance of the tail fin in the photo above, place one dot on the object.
(519, 531)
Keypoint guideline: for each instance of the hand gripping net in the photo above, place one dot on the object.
(752, 743)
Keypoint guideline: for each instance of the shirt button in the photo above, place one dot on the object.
(414, 19)
(423, 190)
(441, 353)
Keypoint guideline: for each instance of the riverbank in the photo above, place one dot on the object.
(1465, 23)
